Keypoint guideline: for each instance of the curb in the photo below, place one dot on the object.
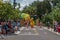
(51, 30)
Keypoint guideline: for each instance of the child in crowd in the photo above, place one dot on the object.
(2, 29)
(18, 24)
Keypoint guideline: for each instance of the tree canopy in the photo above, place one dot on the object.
(38, 8)
(8, 12)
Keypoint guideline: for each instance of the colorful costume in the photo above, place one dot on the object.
(32, 23)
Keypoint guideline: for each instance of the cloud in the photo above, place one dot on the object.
(27, 2)
(23, 3)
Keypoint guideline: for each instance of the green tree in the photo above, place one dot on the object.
(8, 12)
(55, 2)
(38, 8)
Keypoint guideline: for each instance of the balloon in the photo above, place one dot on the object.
(25, 16)
(22, 15)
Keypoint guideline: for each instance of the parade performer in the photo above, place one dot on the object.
(32, 23)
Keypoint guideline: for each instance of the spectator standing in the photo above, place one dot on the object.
(18, 24)
(55, 25)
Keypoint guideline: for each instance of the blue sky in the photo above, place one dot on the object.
(23, 3)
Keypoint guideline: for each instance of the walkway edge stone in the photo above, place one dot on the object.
(51, 30)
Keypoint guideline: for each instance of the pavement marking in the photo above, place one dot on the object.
(27, 29)
(33, 28)
(29, 33)
(45, 32)
(22, 28)
(36, 31)
(40, 29)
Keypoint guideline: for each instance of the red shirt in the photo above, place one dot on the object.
(9, 24)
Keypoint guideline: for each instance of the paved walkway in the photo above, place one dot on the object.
(34, 34)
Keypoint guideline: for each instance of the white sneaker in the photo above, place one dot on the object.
(17, 32)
